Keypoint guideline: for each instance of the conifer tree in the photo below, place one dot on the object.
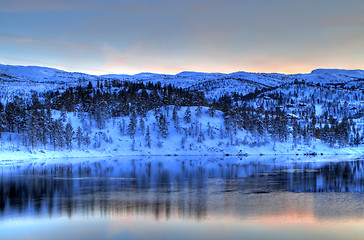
(141, 125)
(79, 137)
(175, 118)
(187, 116)
(68, 135)
(162, 126)
(147, 138)
(199, 111)
(132, 124)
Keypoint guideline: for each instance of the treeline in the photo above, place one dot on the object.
(286, 114)
(35, 125)
(33, 120)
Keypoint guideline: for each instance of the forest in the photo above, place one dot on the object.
(296, 113)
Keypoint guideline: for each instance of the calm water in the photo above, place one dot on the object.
(183, 198)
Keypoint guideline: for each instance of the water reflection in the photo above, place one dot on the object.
(184, 188)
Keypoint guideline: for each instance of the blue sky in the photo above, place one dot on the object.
(170, 36)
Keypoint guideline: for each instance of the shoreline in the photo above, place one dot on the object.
(58, 155)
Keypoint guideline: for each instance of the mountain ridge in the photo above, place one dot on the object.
(6, 68)
(35, 78)
(48, 112)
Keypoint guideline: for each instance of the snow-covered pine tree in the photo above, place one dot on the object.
(147, 138)
(162, 124)
(79, 137)
(198, 111)
(68, 135)
(141, 125)
(132, 124)
(187, 116)
(175, 117)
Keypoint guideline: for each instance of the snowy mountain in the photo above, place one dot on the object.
(332, 76)
(41, 74)
(46, 112)
(21, 80)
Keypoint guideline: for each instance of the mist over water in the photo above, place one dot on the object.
(236, 194)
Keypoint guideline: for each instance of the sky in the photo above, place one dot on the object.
(171, 36)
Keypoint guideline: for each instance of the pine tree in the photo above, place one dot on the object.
(357, 139)
(122, 126)
(12, 115)
(210, 131)
(211, 111)
(86, 139)
(162, 124)
(68, 135)
(187, 116)
(57, 134)
(141, 125)
(296, 133)
(201, 137)
(63, 115)
(43, 124)
(133, 145)
(79, 137)
(132, 124)
(198, 111)
(101, 113)
(31, 128)
(147, 138)
(175, 118)
(175, 113)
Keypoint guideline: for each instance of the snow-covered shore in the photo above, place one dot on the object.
(256, 152)
(114, 141)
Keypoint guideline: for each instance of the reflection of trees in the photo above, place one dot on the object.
(331, 177)
(181, 188)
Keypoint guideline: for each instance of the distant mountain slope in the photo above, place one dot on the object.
(42, 74)
(23, 79)
(313, 113)
(331, 76)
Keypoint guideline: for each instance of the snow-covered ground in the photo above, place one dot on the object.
(112, 141)
(24, 79)
(244, 151)
(203, 135)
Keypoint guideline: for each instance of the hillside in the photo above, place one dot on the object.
(24, 79)
(47, 112)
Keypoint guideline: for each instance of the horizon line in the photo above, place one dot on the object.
(64, 68)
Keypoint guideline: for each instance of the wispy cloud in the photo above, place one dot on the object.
(25, 40)
(170, 36)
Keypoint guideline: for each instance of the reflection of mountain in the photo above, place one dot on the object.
(184, 188)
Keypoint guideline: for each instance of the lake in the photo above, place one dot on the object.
(183, 198)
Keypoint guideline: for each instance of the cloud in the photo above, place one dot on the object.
(43, 41)
(171, 36)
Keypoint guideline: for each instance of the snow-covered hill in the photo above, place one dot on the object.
(46, 112)
(42, 74)
(202, 136)
(331, 76)
(21, 80)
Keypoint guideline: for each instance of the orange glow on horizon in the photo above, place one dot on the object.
(122, 66)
